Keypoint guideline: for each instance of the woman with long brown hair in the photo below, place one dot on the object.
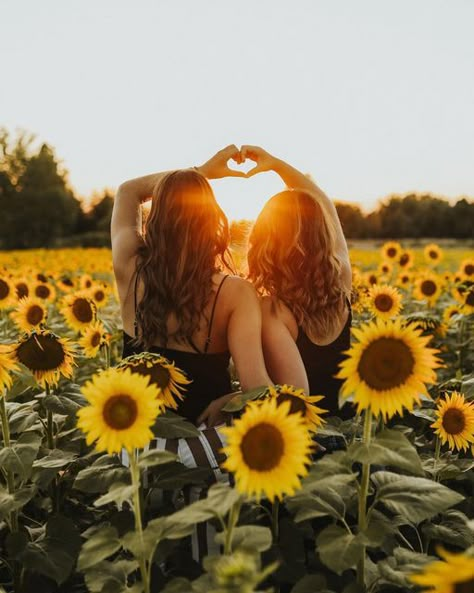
(299, 262)
(175, 298)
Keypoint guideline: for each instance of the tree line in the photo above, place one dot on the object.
(39, 209)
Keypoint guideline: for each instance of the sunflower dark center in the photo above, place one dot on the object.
(35, 315)
(82, 310)
(405, 279)
(42, 291)
(428, 287)
(454, 421)
(88, 283)
(404, 259)
(4, 289)
(386, 363)
(372, 279)
(41, 353)
(99, 295)
(67, 281)
(120, 412)
(159, 375)
(391, 252)
(469, 269)
(385, 269)
(433, 254)
(22, 290)
(383, 302)
(470, 299)
(296, 403)
(262, 447)
(41, 277)
(95, 340)
(464, 587)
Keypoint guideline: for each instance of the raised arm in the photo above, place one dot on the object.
(126, 225)
(294, 179)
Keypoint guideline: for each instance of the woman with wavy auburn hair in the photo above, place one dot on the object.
(175, 299)
(299, 262)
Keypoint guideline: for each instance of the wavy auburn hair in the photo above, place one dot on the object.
(185, 242)
(292, 258)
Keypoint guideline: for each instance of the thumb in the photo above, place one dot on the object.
(254, 171)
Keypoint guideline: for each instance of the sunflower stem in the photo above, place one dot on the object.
(436, 458)
(10, 477)
(275, 524)
(231, 523)
(364, 489)
(135, 471)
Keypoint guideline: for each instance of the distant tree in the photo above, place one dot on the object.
(352, 220)
(36, 203)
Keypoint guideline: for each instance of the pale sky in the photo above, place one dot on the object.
(371, 97)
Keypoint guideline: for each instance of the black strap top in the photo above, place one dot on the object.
(209, 372)
(322, 363)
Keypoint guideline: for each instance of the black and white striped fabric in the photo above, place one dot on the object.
(202, 451)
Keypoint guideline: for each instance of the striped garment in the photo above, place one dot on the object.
(202, 451)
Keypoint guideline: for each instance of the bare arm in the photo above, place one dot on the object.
(126, 222)
(294, 179)
(282, 357)
(244, 335)
(126, 225)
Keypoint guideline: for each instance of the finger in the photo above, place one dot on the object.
(254, 171)
(233, 173)
(202, 417)
(231, 151)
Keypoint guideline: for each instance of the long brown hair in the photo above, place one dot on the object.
(292, 258)
(186, 239)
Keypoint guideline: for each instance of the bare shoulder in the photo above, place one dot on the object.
(238, 289)
(273, 310)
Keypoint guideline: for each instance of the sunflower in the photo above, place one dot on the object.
(30, 313)
(384, 301)
(455, 421)
(299, 403)
(161, 372)
(122, 408)
(423, 321)
(433, 254)
(93, 337)
(7, 292)
(370, 278)
(453, 574)
(65, 283)
(391, 250)
(44, 291)
(427, 288)
(268, 450)
(404, 279)
(406, 259)
(79, 310)
(388, 368)
(22, 288)
(466, 269)
(469, 300)
(86, 281)
(7, 364)
(46, 355)
(99, 294)
(451, 312)
(385, 268)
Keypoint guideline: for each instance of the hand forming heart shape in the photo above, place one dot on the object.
(218, 166)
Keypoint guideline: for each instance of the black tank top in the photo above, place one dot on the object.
(209, 372)
(322, 363)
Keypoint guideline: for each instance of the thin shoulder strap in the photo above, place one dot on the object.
(208, 339)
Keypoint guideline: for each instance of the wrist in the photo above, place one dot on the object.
(202, 170)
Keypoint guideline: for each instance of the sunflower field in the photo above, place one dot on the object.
(97, 496)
